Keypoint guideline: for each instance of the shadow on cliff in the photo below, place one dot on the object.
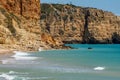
(115, 38)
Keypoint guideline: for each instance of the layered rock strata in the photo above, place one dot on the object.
(73, 24)
(20, 24)
(22, 29)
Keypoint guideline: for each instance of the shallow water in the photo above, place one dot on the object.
(102, 62)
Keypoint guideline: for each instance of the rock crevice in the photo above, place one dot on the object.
(86, 34)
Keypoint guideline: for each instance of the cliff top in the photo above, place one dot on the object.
(79, 24)
(46, 8)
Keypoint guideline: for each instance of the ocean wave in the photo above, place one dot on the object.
(7, 77)
(99, 68)
(38, 78)
(68, 70)
(7, 61)
(11, 75)
(40, 49)
(23, 56)
(20, 53)
(18, 73)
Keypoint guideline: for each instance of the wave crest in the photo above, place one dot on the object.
(99, 68)
(23, 56)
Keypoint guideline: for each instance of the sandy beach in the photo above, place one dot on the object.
(5, 53)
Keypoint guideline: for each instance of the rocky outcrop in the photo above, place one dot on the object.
(21, 28)
(20, 24)
(73, 24)
(25, 8)
(51, 42)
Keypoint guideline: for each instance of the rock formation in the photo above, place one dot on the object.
(74, 24)
(20, 24)
(25, 8)
(22, 29)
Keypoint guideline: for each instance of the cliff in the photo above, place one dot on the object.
(74, 24)
(22, 28)
(20, 24)
(25, 8)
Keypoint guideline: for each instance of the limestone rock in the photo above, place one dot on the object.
(26, 8)
(74, 24)
(50, 41)
(20, 24)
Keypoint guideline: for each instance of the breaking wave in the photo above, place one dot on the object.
(99, 68)
(12, 75)
(23, 56)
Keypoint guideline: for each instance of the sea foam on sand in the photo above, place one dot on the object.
(11, 75)
(7, 77)
(23, 56)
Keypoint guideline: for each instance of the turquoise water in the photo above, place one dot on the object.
(102, 62)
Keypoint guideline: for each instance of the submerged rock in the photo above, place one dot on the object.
(90, 48)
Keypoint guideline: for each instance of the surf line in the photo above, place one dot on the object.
(99, 68)
(23, 56)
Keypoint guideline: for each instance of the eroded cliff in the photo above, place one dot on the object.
(25, 8)
(20, 24)
(73, 24)
(22, 29)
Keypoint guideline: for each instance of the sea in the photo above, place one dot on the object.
(84, 62)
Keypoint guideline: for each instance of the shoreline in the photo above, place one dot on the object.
(6, 53)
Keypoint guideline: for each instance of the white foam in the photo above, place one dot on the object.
(40, 49)
(4, 61)
(7, 77)
(7, 61)
(38, 78)
(23, 56)
(19, 53)
(68, 70)
(12, 72)
(11, 75)
(99, 68)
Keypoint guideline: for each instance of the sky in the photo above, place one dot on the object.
(107, 5)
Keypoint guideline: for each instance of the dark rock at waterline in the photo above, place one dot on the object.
(90, 48)
(74, 24)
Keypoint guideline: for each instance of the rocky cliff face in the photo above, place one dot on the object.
(20, 24)
(21, 28)
(73, 24)
(25, 8)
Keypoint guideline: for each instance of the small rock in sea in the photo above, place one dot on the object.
(89, 47)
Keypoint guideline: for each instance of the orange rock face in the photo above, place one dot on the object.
(26, 8)
(20, 24)
(11, 5)
(31, 8)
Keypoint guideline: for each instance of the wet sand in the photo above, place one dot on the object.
(5, 54)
